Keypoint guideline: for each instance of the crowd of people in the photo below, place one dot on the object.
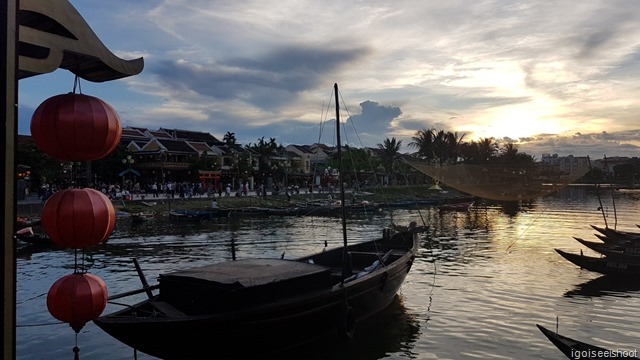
(173, 189)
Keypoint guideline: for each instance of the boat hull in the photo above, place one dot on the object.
(602, 265)
(574, 349)
(330, 312)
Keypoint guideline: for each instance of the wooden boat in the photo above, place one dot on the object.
(198, 215)
(262, 306)
(284, 211)
(142, 216)
(28, 236)
(629, 255)
(617, 241)
(250, 211)
(456, 206)
(602, 265)
(574, 349)
(334, 208)
(617, 234)
(275, 303)
(22, 222)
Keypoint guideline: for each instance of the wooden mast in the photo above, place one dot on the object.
(346, 260)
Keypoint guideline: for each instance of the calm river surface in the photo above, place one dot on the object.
(481, 281)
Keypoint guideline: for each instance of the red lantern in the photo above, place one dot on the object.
(76, 127)
(77, 299)
(78, 218)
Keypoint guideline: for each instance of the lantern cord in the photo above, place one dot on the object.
(76, 350)
(76, 83)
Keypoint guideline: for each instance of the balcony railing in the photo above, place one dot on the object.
(163, 165)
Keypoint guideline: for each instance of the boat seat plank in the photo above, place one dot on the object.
(249, 272)
(167, 309)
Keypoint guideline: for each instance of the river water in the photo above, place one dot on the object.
(481, 281)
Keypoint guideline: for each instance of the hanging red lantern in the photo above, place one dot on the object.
(78, 218)
(77, 299)
(76, 127)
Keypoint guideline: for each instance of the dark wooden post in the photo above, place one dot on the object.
(9, 37)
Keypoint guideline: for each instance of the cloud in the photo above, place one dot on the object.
(269, 82)
(536, 71)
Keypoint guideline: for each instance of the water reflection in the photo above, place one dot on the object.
(605, 285)
(391, 332)
(477, 274)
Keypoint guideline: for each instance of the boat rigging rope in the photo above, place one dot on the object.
(527, 228)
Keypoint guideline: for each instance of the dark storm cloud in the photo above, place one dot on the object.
(266, 82)
(375, 118)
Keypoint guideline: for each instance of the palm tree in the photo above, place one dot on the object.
(266, 149)
(487, 149)
(423, 141)
(229, 138)
(390, 152)
(509, 152)
(454, 146)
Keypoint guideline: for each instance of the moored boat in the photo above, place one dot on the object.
(602, 265)
(574, 349)
(613, 252)
(618, 242)
(28, 236)
(24, 222)
(618, 234)
(275, 303)
(249, 211)
(142, 216)
(456, 206)
(198, 215)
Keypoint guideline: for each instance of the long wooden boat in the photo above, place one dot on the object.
(602, 265)
(263, 306)
(250, 211)
(627, 255)
(618, 234)
(198, 215)
(574, 349)
(456, 206)
(275, 303)
(618, 242)
(335, 208)
(284, 211)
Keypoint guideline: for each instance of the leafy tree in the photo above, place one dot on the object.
(43, 168)
(265, 149)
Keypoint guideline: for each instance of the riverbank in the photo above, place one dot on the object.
(32, 206)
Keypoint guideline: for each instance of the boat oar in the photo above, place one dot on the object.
(145, 284)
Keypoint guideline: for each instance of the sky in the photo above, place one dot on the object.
(552, 76)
